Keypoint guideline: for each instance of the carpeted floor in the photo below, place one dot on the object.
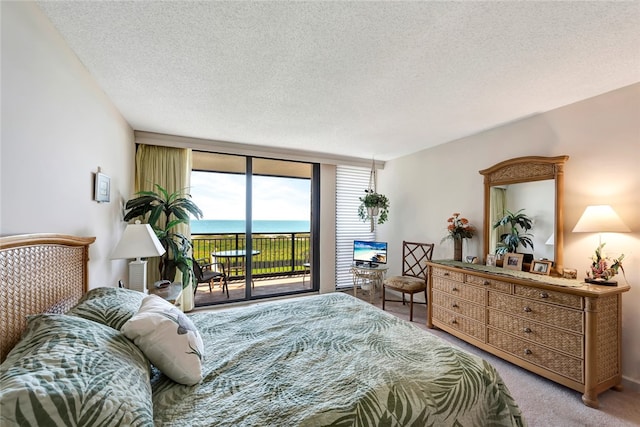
(543, 402)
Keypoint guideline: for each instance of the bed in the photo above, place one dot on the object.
(311, 361)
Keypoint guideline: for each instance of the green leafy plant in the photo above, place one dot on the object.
(373, 204)
(517, 235)
(165, 211)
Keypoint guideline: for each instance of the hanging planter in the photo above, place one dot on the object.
(374, 205)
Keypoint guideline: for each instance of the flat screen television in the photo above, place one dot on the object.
(369, 253)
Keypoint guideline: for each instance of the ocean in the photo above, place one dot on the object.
(216, 226)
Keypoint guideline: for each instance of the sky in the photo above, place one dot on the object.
(222, 196)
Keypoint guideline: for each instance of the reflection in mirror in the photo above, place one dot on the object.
(535, 184)
(537, 200)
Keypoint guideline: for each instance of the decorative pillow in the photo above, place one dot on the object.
(168, 338)
(109, 306)
(71, 371)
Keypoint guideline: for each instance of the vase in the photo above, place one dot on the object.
(457, 249)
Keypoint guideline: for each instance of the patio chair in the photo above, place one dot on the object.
(204, 273)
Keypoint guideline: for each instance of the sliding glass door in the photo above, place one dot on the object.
(257, 225)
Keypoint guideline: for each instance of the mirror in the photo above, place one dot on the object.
(535, 184)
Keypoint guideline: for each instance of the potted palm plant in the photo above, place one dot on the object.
(373, 205)
(166, 211)
(518, 224)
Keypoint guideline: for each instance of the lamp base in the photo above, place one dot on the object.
(602, 282)
(138, 276)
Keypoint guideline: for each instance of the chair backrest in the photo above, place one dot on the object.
(197, 270)
(415, 257)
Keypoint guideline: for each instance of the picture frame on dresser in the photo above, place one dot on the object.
(491, 260)
(540, 267)
(513, 261)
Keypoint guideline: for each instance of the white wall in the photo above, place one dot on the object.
(57, 128)
(601, 136)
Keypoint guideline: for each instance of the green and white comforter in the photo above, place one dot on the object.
(330, 360)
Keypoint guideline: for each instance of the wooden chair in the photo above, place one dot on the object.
(414, 273)
(204, 273)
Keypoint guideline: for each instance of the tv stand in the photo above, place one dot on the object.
(368, 264)
(367, 278)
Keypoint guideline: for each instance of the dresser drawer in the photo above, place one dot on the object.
(459, 305)
(552, 315)
(564, 341)
(453, 275)
(492, 284)
(552, 297)
(460, 290)
(564, 365)
(460, 323)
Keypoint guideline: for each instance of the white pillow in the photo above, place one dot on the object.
(168, 338)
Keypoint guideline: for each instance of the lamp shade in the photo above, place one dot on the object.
(138, 241)
(600, 219)
(551, 240)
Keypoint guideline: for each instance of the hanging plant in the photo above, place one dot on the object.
(374, 205)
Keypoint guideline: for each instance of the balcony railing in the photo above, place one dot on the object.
(281, 254)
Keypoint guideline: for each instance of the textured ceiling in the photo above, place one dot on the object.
(363, 79)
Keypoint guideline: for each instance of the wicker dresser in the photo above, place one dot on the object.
(564, 330)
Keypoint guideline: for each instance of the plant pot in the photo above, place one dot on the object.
(373, 211)
(457, 250)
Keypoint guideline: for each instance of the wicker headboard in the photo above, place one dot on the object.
(39, 273)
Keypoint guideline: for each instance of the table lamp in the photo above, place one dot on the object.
(601, 219)
(138, 241)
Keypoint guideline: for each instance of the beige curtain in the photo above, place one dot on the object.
(497, 196)
(171, 169)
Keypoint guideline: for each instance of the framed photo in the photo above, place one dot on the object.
(102, 190)
(570, 273)
(540, 267)
(491, 260)
(513, 261)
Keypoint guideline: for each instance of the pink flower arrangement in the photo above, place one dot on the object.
(599, 267)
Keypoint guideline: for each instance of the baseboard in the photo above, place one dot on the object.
(630, 384)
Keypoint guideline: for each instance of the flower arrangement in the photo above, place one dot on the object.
(599, 267)
(459, 228)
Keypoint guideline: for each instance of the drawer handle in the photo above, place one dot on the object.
(527, 351)
(486, 283)
(527, 309)
(446, 273)
(544, 295)
(527, 330)
(454, 289)
(454, 322)
(454, 305)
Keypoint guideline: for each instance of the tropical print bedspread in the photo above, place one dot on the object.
(330, 360)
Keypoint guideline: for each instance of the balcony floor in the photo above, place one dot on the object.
(263, 286)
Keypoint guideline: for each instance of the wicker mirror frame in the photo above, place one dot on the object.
(528, 169)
